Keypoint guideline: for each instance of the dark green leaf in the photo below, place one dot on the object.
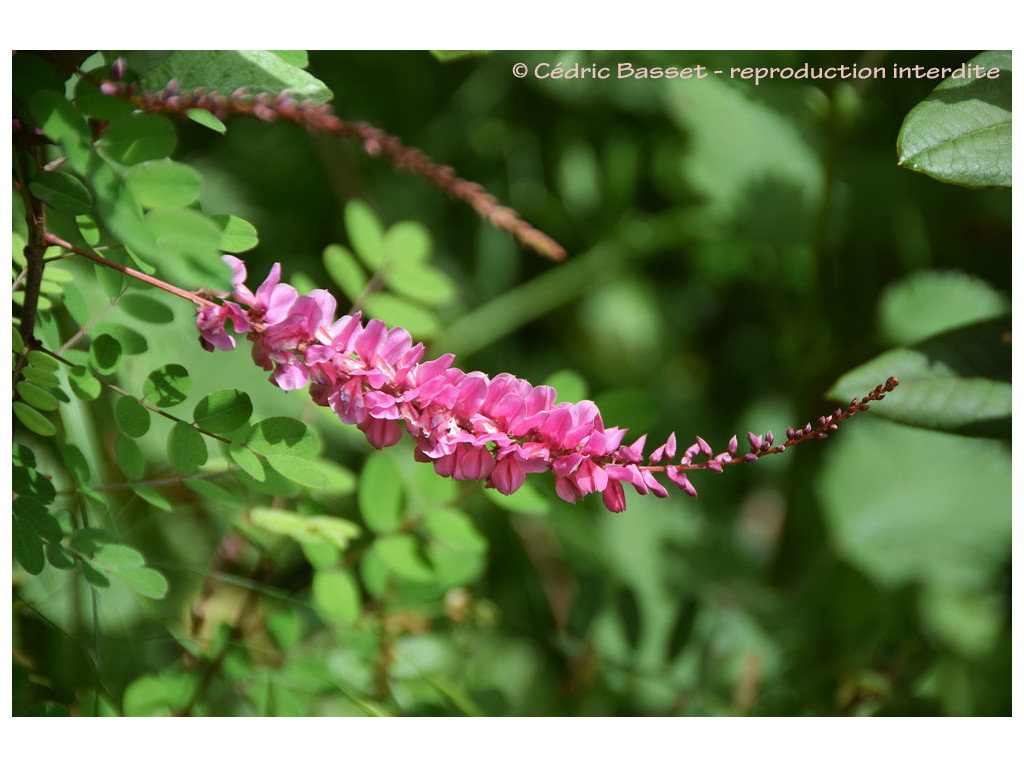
(186, 448)
(61, 122)
(223, 411)
(138, 136)
(96, 104)
(87, 541)
(167, 385)
(97, 579)
(105, 354)
(380, 493)
(962, 133)
(63, 191)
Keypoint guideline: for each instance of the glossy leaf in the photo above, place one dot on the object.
(962, 133)
(380, 493)
(223, 411)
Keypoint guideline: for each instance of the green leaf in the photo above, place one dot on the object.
(163, 694)
(186, 448)
(105, 354)
(380, 493)
(144, 581)
(282, 435)
(421, 282)
(366, 233)
(61, 122)
(34, 420)
(308, 529)
(129, 457)
(131, 416)
(150, 496)
(163, 183)
(298, 469)
(248, 462)
(206, 119)
(97, 579)
(26, 546)
(936, 508)
(91, 101)
(336, 596)
(526, 501)
(929, 302)
(223, 411)
(335, 531)
(132, 342)
(962, 133)
(63, 191)
(407, 241)
(455, 529)
(85, 386)
(42, 378)
(146, 308)
(189, 244)
(237, 235)
(36, 396)
(224, 71)
(421, 323)
(42, 360)
(167, 385)
(401, 553)
(118, 556)
(212, 491)
(570, 385)
(344, 270)
(136, 137)
(87, 541)
(958, 381)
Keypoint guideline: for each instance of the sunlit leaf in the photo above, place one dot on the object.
(380, 493)
(237, 235)
(336, 596)
(366, 233)
(223, 411)
(138, 136)
(962, 133)
(167, 385)
(33, 419)
(131, 416)
(163, 183)
(282, 435)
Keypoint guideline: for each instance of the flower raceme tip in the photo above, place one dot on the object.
(470, 426)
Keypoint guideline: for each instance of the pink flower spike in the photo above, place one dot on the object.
(714, 466)
(680, 480)
(733, 446)
(670, 447)
(704, 447)
(656, 488)
(691, 452)
(657, 453)
(755, 441)
(614, 497)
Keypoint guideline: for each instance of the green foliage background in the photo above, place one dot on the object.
(735, 252)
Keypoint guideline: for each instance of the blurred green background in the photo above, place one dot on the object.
(733, 250)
